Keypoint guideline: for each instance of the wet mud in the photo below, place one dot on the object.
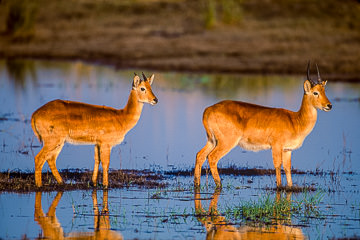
(76, 179)
(80, 179)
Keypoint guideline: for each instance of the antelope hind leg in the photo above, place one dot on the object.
(105, 162)
(200, 159)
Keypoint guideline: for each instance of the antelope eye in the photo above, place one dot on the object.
(316, 93)
(142, 89)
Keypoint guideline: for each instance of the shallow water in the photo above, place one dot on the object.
(168, 136)
(171, 213)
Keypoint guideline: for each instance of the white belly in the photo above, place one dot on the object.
(253, 146)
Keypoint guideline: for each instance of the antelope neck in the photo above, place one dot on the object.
(133, 106)
(307, 115)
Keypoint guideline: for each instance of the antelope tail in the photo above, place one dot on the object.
(209, 132)
(36, 132)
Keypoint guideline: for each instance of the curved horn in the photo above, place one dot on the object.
(308, 75)
(144, 76)
(308, 72)
(318, 73)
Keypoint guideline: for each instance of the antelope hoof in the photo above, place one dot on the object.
(196, 186)
(93, 184)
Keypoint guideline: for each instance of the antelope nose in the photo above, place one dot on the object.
(156, 100)
(329, 106)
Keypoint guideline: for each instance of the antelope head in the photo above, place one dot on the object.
(143, 89)
(316, 91)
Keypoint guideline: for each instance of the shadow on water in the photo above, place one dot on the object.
(20, 70)
(219, 85)
(51, 227)
(243, 208)
(218, 227)
(227, 86)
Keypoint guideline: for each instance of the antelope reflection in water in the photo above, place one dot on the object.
(218, 227)
(52, 229)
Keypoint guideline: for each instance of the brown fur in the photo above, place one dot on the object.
(254, 127)
(59, 121)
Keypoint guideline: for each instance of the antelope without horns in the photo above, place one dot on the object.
(253, 127)
(59, 121)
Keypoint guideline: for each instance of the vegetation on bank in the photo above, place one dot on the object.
(76, 179)
(80, 179)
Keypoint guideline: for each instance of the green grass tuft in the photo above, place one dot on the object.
(267, 210)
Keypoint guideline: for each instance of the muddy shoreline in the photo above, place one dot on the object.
(164, 35)
(80, 179)
(77, 179)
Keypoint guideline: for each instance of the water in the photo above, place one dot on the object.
(171, 213)
(167, 137)
(171, 133)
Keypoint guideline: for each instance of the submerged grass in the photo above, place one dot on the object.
(267, 210)
(77, 179)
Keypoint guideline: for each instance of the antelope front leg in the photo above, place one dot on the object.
(286, 157)
(96, 165)
(277, 159)
(105, 162)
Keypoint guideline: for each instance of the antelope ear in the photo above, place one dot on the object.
(136, 82)
(307, 86)
(151, 79)
(324, 83)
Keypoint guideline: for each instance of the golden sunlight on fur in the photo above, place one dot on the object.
(59, 122)
(253, 127)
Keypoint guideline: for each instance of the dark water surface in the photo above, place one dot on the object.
(167, 137)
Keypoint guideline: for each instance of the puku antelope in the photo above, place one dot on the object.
(59, 121)
(254, 127)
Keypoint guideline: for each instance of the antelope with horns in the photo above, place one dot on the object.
(59, 121)
(254, 127)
